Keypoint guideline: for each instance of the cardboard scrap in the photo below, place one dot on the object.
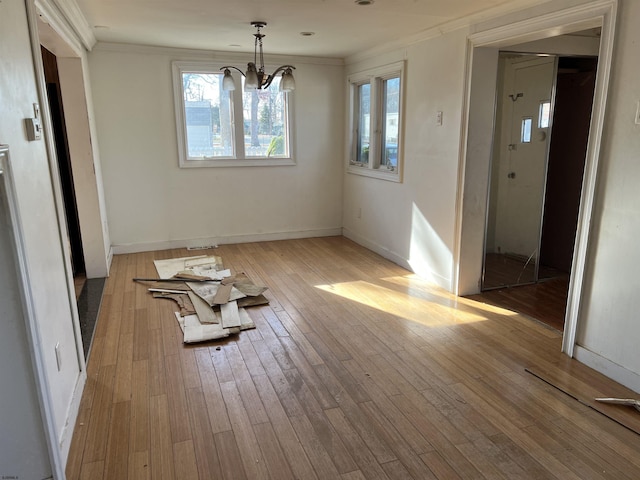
(210, 298)
(208, 291)
(211, 260)
(194, 331)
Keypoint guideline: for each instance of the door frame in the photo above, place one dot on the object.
(477, 134)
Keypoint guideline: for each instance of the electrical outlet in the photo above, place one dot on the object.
(439, 118)
(359, 213)
(638, 113)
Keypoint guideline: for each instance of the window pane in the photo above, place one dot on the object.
(390, 111)
(265, 122)
(364, 114)
(526, 130)
(207, 111)
(545, 112)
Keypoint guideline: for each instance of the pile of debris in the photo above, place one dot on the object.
(212, 301)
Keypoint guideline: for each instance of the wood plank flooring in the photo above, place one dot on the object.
(357, 370)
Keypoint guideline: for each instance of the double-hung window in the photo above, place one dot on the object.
(376, 122)
(218, 128)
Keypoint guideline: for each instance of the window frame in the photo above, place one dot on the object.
(239, 159)
(375, 78)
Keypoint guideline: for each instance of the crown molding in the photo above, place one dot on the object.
(212, 55)
(67, 19)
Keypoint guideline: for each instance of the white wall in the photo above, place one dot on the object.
(609, 325)
(413, 222)
(153, 204)
(45, 263)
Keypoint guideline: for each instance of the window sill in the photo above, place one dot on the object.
(380, 174)
(238, 162)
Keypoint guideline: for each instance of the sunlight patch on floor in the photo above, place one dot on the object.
(420, 287)
(408, 305)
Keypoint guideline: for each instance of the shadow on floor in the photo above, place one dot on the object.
(88, 308)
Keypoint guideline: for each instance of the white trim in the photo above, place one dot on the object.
(211, 55)
(50, 15)
(119, 249)
(76, 20)
(377, 248)
(58, 16)
(599, 12)
(612, 370)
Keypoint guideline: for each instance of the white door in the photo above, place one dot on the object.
(23, 448)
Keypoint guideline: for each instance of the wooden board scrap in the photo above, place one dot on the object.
(252, 301)
(230, 315)
(203, 309)
(208, 291)
(182, 299)
(223, 294)
(246, 322)
(246, 286)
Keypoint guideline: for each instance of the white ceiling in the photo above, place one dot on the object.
(341, 27)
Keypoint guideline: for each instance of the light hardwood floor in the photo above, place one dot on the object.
(357, 370)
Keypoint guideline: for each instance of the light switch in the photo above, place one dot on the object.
(34, 128)
(638, 113)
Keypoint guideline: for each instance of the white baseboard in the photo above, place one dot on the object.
(606, 367)
(428, 275)
(109, 260)
(375, 247)
(230, 239)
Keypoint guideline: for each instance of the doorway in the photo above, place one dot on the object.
(54, 96)
(78, 194)
(542, 132)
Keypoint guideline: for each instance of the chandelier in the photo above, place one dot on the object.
(256, 78)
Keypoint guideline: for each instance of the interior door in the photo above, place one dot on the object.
(23, 448)
(519, 171)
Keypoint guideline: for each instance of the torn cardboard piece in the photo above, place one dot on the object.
(194, 331)
(170, 267)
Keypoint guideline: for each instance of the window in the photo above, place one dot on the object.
(376, 106)
(220, 129)
(525, 133)
(544, 115)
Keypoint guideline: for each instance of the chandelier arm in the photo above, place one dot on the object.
(272, 77)
(235, 68)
